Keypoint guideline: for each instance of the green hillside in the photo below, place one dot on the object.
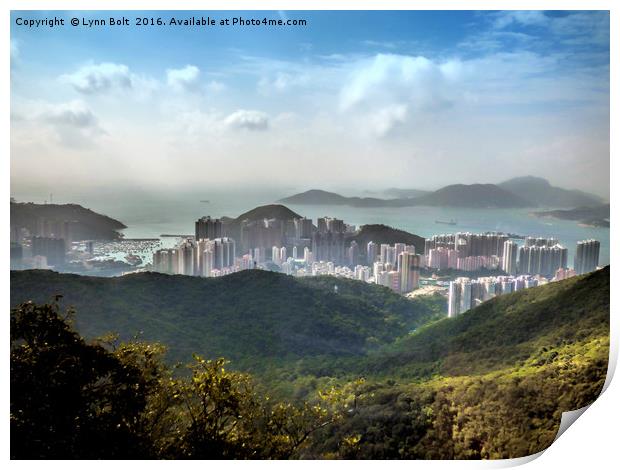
(247, 316)
(509, 413)
(491, 383)
(504, 331)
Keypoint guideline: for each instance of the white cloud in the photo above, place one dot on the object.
(100, 78)
(388, 118)
(412, 110)
(185, 79)
(71, 124)
(248, 119)
(73, 114)
(392, 79)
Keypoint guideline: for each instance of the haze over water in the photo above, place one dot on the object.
(149, 215)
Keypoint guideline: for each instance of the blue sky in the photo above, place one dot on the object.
(352, 100)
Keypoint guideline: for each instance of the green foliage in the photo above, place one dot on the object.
(501, 332)
(254, 318)
(491, 383)
(69, 397)
(73, 399)
(504, 414)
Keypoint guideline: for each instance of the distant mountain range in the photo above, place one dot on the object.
(326, 198)
(400, 193)
(539, 192)
(87, 224)
(471, 195)
(458, 195)
(527, 191)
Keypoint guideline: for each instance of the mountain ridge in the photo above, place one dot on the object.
(522, 191)
(540, 192)
(89, 224)
(457, 195)
(249, 316)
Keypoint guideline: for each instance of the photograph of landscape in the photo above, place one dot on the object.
(306, 234)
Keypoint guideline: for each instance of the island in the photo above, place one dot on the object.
(597, 216)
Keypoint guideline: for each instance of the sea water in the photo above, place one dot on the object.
(149, 215)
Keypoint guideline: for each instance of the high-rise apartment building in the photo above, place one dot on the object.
(587, 256)
(206, 227)
(509, 259)
(409, 269)
(372, 251)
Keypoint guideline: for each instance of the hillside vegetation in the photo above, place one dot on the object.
(247, 317)
(504, 331)
(362, 373)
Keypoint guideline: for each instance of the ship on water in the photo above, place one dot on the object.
(446, 222)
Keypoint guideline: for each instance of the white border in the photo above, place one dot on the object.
(590, 443)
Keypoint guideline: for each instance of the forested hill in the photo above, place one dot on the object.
(247, 317)
(379, 234)
(491, 383)
(86, 224)
(504, 331)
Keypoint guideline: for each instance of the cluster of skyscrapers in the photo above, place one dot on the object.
(465, 251)
(472, 252)
(202, 257)
(300, 248)
(465, 293)
(538, 261)
(394, 266)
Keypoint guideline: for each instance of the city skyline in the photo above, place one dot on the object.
(490, 95)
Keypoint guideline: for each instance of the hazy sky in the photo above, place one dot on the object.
(354, 100)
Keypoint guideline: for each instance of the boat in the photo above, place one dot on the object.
(446, 222)
(206, 201)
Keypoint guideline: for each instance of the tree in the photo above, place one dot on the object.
(69, 398)
(105, 399)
